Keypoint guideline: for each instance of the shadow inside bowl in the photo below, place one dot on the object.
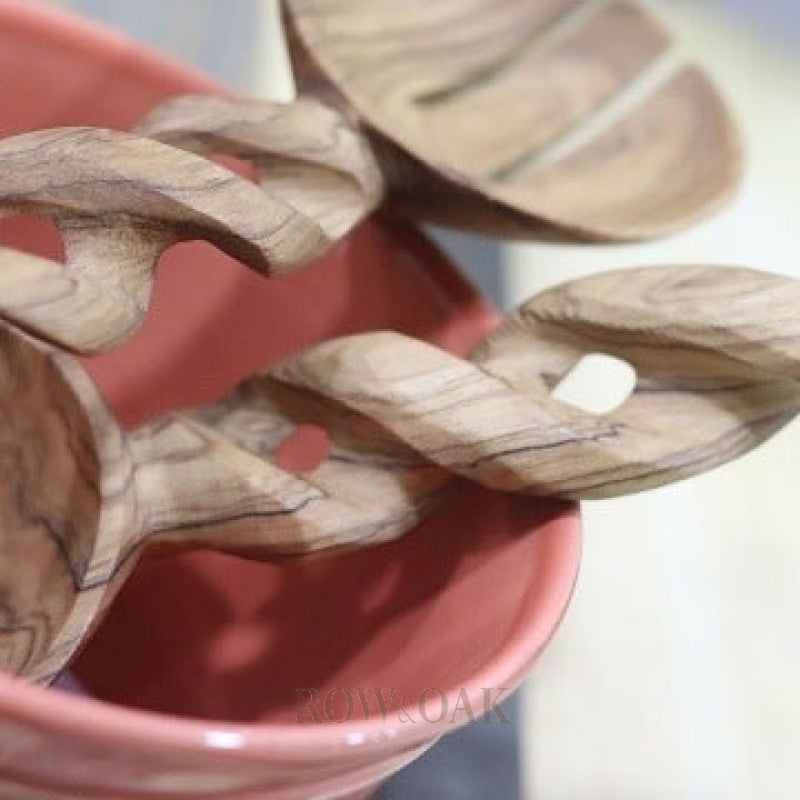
(210, 635)
(216, 636)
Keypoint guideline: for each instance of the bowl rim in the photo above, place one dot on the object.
(89, 719)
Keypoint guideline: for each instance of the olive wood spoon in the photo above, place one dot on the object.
(717, 356)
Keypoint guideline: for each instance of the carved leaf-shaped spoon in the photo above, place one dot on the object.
(717, 358)
(558, 118)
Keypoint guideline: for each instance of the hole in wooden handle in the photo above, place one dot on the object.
(304, 449)
(598, 383)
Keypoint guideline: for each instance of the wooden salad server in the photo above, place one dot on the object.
(562, 119)
(717, 356)
(557, 119)
(119, 200)
(433, 91)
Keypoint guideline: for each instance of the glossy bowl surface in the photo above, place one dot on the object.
(199, 674)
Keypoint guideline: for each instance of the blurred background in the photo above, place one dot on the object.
(676, 673)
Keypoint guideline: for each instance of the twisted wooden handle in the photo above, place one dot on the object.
(716, 352)
(304, 152)
(119, 200)
(211, 478)
(716, 375)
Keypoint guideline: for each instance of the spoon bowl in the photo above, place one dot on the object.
(52, 513)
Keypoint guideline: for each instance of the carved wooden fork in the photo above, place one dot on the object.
(557, 119)
(562, 119)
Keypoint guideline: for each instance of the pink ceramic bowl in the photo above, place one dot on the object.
(218, 677)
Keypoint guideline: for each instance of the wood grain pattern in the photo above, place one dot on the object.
(717, 356)
(303, 152)
(80, 498)
(456, 99)
(586, 191)
(436, 88)
(550, 87)
(546, 119)
(709, 346)
(119, 201)
(60, 517)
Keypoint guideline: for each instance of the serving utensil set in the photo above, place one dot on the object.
(530, 119)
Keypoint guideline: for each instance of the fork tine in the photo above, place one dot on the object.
(554, 120)
(550, 88)
(669, 162)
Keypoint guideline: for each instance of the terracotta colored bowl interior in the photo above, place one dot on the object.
(466, 601)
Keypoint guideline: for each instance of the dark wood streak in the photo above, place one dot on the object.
(684, 464)
(32, 637)
(220, 521)
(145, 196)
(499, 455)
